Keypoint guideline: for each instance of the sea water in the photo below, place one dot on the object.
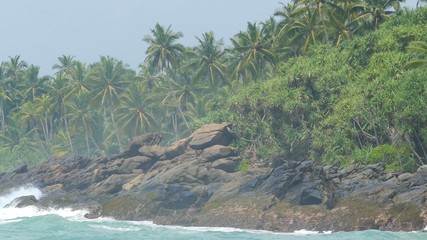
(32, 223)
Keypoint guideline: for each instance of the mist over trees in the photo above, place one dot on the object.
(334, 81)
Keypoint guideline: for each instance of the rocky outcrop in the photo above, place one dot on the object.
(194, 182)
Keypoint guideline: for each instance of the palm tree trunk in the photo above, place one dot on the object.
(87, 144)
(2, 127)
(68, 134)
(178, 105)
(323, 23)
(115, 129)
(94, 141)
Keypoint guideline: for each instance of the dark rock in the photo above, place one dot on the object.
(311, 196)
(281, 180)
(23, 201)
(21, 169)
(179, 200)
(137, 142)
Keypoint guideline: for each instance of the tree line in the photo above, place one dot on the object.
(95, 109)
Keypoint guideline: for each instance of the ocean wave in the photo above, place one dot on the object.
(12, 194)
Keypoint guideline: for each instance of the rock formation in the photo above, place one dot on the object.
(194, 182)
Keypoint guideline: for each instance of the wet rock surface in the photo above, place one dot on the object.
(194, 182)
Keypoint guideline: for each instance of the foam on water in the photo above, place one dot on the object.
(10, 214)
(14, 193)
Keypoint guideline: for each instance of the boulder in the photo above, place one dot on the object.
(311, 196)
(23, 201)
(21, 169)
(226, 164)
(209, 135)
(218, 151)
(177, 148)
(137, 142)
(133, 183)
(152, 151)
(137, 162)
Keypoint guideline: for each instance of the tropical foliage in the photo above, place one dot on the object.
(333, 81)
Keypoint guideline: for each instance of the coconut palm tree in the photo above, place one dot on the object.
(78, 78)
(65, 65)
(108, 83)
(346, 18)
(208, 61)
(59, 92)
(135, 111)
(15, 70)
(32, 85)
(380, 10)
(148, 76)
(163, 52)
(81, 115)
(251, 54)
(304, 31)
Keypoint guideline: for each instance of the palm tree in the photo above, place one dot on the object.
(380, 10)
(419, 48)
(79, 78)
(14, 71)
(32, 85)
(304, 31)
(346, 18)
(208, 61)
(135, 111)
(163, 52)
(251, 54)
(287, 15)
(43, 106)
(65, 65)
(148, 76)
(80, 114)
(59, 92)
(108, 83)
(320, 7)
(4, 97)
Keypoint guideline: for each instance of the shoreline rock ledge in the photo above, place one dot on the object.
(193, 182)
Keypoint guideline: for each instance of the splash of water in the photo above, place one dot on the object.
(14, 193)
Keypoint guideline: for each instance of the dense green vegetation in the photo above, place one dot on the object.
(333, 81)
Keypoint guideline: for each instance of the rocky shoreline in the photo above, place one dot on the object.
(193, 182)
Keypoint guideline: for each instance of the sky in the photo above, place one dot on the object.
(43, 30)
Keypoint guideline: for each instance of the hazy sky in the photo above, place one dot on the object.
(41, 31)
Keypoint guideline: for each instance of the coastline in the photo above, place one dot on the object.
(193, 182)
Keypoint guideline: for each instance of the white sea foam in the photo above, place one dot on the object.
(10, 213)
(12, 194)
(301, 232)
(119, 229)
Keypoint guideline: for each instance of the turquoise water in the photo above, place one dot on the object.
(53, 226)
(31, 223)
